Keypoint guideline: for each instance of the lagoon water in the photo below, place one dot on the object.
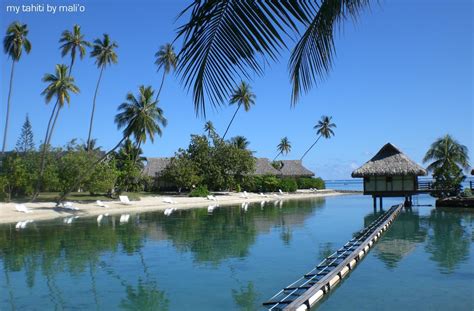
(235, 260)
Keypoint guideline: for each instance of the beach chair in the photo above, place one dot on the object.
(101, 204)
(211, 198)
(70, 206)
(281, 192)
(168, 200)
(124, 200)
(22, 208)
(263, 195)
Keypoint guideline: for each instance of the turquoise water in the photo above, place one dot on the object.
(235, 260)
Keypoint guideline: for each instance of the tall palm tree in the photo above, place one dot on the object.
(240, 142)
(209, 128)
(60, 85)
(14, 43)
(324, 129)
(284, 147)
(140, 118)
(129, 152)
(447, 151)
(224, 40)
(166, 60)
(73, 42)
(104, 53)
(242, 95)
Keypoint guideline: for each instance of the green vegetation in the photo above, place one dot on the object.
(25, 142)
(200, 191)
(308, 183)
(448, 159)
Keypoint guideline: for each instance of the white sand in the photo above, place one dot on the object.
(44, 211)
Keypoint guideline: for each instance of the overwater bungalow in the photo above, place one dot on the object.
(390, 173)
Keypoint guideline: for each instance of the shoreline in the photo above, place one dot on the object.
(47, 211)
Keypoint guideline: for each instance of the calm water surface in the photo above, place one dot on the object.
(234, 260)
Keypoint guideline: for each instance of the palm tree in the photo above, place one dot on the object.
(59, 87)
(447, 151)
(209, 128)
(166, 59)
(104, 53)
(324, 129)
(242, 95)
(240, 142)
(226, 39)
(73, 42)
(140, 118)
(14, 43)
(129, 152)
(284, 147)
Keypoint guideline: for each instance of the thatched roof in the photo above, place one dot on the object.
(389, 161)
(263, 166)
(292, 168)
(155, 166)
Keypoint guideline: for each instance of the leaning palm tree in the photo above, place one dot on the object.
(14, 43)
(140, 118)
(104, 53)
(284, 147)
(324, 129)
(446, 151)
(166, 60)
(242, 95)
(225, 40)
(209, 128)
(240, 142)
(60, 85)
(73, 42)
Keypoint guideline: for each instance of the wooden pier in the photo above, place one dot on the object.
(309, 289)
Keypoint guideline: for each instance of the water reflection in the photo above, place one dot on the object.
(446, 235)
(246, 298)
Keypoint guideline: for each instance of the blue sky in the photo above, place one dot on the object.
(403, 74)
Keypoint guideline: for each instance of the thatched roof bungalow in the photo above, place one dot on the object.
(294, 168)
(390, 173)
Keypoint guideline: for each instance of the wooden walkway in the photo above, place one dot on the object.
(309, 289)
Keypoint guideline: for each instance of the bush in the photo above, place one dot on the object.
(307, 183)
(200, 191)
(288, 185)
(466, 193)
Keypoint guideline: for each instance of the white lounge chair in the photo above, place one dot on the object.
(244, 195)
(124, 200)
(124, 218)
(276, 196)
(22, 208)
(211, 198)
(263, 195)
(70, 206)
(101, 204)
(168, 200)
(281, 192)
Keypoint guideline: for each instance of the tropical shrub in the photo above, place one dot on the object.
(448, 179)
(307, 183)
(288, 185)
(200, 191)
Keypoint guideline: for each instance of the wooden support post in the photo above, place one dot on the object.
(375, 203)
(381, 203)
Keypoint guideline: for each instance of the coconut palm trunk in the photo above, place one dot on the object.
(232, 120)
(89, 170)
(277, 156)
(310, 148)
(161, 85)
(8, 108)
(93, 107)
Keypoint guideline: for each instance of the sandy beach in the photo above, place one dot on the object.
(46, 211)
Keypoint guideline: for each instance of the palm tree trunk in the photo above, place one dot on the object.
(161, 85)
(54, 124)
(93, 108)
(232, 120)
(89, 170)
(8, 108)
(43, 153)
(310, 148)
(276, 156)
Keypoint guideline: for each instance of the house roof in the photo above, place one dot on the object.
(155, 166)
(389, 161)
(294, 168)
